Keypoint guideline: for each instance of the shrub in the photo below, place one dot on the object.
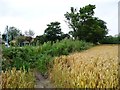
(110, 40)
(66, 46)
(42, 63)
(18, 57)
(17, 79)
(39, 57)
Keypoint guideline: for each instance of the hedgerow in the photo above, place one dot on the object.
(40, 56)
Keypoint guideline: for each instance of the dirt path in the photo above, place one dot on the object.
(41, 82)
(94, 60)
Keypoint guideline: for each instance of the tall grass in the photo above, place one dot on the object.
(17, 79)
(94, 68)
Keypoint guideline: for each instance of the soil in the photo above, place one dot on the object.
(42, 82)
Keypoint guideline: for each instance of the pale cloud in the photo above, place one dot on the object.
(36, 14)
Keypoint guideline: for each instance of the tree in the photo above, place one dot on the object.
(29, 36)
(4, 37)
(63, 36)
(29, 33)
(13, 32)
(20, 40)
(53, 31)
(84, 25)
(40, 39)
(111, 40)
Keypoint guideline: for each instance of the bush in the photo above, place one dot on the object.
(17, 79)
(66, 46)
(18, 57)
(43, 63)
(110, 40)
(39, 57)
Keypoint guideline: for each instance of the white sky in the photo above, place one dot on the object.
(36, 14)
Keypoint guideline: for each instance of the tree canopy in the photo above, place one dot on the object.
(85, 26)
(53, 31)
(13, 32)
(29, 33)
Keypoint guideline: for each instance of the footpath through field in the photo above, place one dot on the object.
(99, 55)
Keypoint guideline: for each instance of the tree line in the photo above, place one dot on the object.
(83, 24)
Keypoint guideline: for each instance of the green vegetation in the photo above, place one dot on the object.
(13, 32)
(39, 57)
(85, 26)
(111, 40)
(38, 53)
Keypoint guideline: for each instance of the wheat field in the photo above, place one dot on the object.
(93, 68)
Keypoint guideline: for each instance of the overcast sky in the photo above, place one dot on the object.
(36, 14)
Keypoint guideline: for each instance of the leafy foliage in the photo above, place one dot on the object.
(40, 39)
(29, 33)
(53, 32)
(13, 32)
(39, 57)
(18, 57)
(111, 40)
(84, 25)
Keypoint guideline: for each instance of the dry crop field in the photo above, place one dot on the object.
(93, 68)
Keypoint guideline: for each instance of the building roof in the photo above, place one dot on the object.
(25, 42)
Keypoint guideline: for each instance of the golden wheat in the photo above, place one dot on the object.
(93, 68)
(17, 79)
